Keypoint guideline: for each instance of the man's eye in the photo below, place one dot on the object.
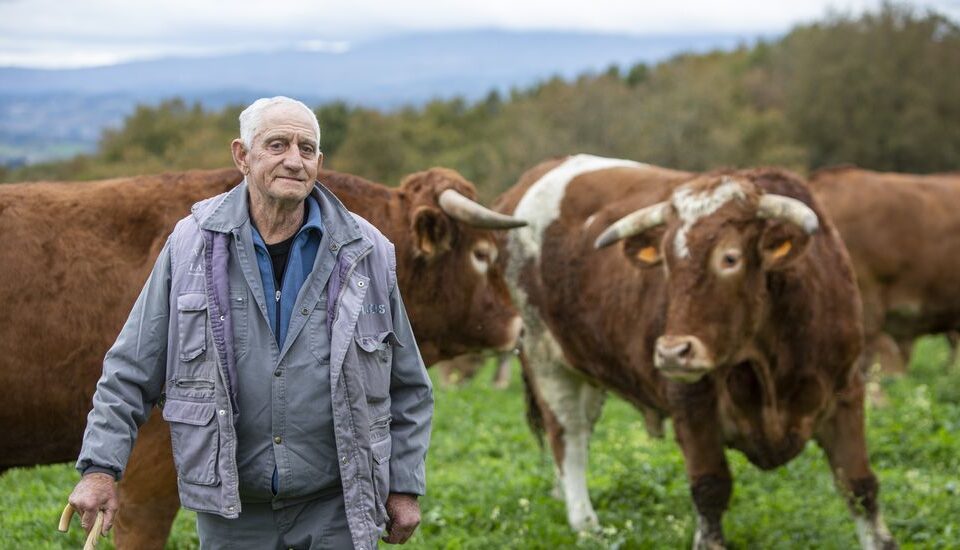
(276, 146)
(307, 149)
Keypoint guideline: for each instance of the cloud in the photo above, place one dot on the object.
(104, 31)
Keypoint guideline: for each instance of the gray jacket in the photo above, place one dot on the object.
(178, 348)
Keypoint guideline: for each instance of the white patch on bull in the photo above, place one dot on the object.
(692, 205)
(540, 205)
(577, 405)
(872, 534)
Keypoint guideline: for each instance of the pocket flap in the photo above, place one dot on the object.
(369, 344)
(191, 302)
(391, 337)
(188, 412)
(381, 450)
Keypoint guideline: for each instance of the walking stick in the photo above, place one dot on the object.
(91, 542)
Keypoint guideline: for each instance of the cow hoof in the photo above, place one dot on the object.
(586, 520)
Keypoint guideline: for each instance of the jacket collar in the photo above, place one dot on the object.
(229, 211)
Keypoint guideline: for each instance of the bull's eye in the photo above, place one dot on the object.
(728, 261)
(483, 255)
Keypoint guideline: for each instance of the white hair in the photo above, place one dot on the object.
(251, 117)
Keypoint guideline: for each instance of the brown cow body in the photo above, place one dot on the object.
(760, 359)
(903, 235)
(75, 255)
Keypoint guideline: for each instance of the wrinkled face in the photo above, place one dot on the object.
(716, 253)
(458, 298)
(281, 164)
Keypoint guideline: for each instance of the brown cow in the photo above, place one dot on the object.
(73, 257)
(903, 234)
(724, 309)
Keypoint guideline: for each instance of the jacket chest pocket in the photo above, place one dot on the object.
(195, 438)
(375, 355)
(192, 326)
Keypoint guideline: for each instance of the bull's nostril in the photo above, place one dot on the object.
(684, 350)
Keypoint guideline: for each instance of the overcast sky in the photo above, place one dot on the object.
(69, 33)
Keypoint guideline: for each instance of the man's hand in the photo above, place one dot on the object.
(95, 491)
(404, 517)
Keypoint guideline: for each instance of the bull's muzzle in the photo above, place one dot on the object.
(682, 358)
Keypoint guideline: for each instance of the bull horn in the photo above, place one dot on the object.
(472, 213)
(779, 207)
(634, 223)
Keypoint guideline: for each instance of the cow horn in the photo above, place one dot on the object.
(634, 223)
(472, 213)
(779, 207)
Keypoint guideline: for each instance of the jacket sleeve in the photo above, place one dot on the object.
(133, 375)
(411, 395)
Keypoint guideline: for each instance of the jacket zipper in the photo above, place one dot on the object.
(277, 297)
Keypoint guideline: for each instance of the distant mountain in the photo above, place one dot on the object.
(46, 113)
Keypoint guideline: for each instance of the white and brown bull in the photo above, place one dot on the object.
(903, 235)
(729, 306)
(73, 257)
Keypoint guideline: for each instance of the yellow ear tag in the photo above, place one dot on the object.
(782, 250)
(648, 254)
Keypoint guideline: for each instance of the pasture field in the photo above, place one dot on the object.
(490, 483)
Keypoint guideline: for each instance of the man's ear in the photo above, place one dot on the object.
(319, 161)
(239, 152)
(781, 244)
(644, 250)
(433, 232)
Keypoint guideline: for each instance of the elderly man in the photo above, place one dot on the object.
(272, 334)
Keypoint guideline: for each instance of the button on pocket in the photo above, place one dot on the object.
(192, 325)
(195, 439)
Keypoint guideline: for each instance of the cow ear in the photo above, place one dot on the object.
(433, 232)
(645, 250)
(781, 244)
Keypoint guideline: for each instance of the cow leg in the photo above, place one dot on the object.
(843, 440)
(148, 491)
(953, 340)
(570, 407)
(501, 379)
(699, 436)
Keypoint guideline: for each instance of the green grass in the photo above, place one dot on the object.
(489, 482)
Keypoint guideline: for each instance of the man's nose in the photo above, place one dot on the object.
(292, 160)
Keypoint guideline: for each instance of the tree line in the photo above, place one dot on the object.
(880, 90)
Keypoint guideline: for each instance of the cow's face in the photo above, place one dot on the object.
(456, 293)
(717, 242)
